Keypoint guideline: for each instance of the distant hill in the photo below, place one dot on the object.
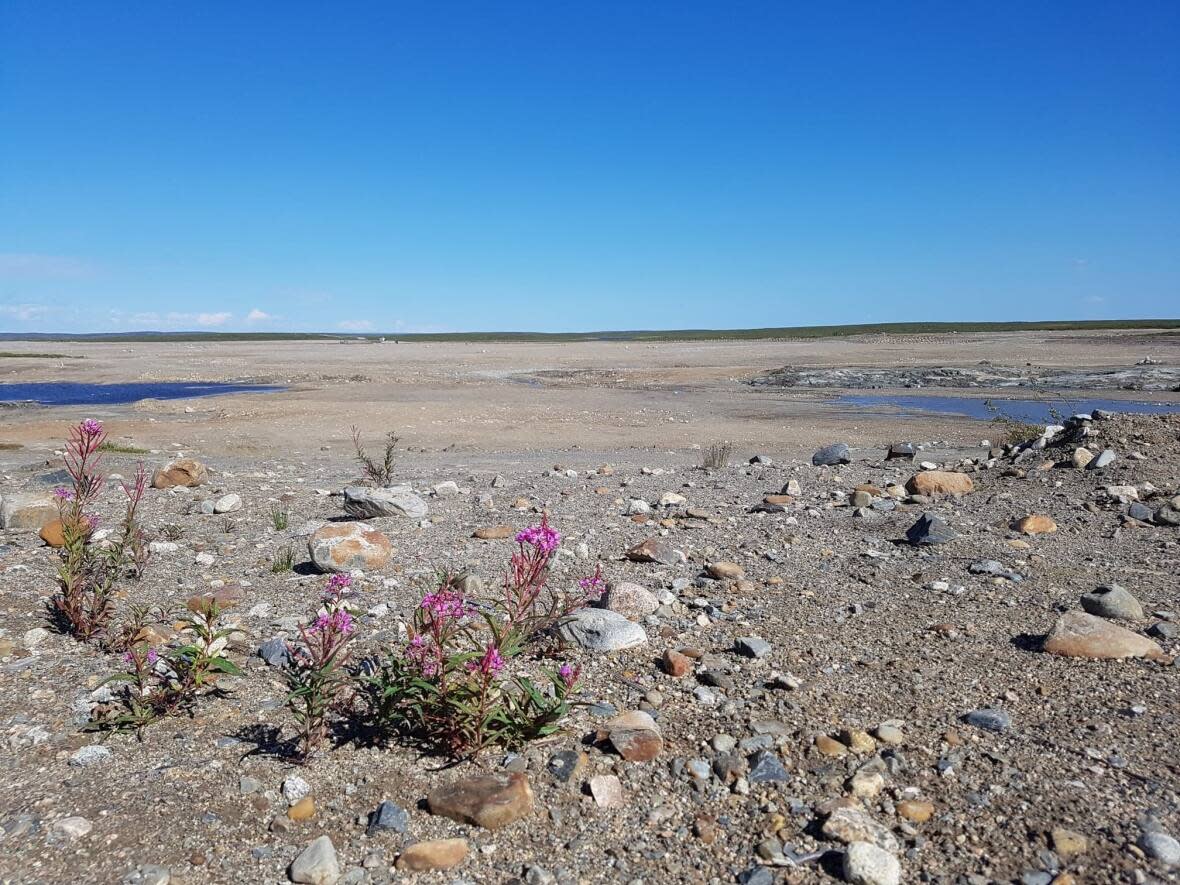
(636, 335)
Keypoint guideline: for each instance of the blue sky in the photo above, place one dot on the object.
(576, 166)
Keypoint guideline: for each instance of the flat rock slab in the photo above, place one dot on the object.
(930, 529)
(493, 532)
(653, 550)
(27, 512)
(1081, 635)
(186, 472)
(436, 854)
(362, 502)
(490, 801)
(344, 546)
(849, 825)
(601, 630)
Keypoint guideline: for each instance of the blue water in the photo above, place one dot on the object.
(1033, 411)
(68, 393)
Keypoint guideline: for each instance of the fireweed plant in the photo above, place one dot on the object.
(315, 669)
(156, 685)
(88, 572)
(451, 688)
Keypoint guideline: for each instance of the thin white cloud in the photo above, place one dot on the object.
(355, 325)
(258, 316)
(214, 319)
(36, 266)
(25, 312)
(1095, 299)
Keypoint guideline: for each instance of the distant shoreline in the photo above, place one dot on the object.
(779, 332)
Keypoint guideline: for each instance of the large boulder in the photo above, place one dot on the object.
(187, 472)
(27, 511)
(1080, 635)
(362, 502)
(344, 546)
(939, 482)
(828, 456)
(600, 629)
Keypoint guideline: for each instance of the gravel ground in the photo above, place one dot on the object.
(864, 631)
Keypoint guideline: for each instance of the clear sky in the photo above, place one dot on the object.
(550, 166)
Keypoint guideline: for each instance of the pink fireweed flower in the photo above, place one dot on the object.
(337, 586)
(63, 494)
(593, 585)
(91, 521)
(569, 675)
(150, 657)
(490, 664)
(336, 583)
(542, 537)
(445, 605)
(90, 427)
(422, 656)
(339, 621)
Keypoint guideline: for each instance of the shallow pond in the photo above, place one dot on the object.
(1034, 411)
(68, 393)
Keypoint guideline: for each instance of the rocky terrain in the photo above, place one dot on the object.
(951, 665)
(1146, 375)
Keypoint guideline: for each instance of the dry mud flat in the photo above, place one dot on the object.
(850, 724)
(479, 401)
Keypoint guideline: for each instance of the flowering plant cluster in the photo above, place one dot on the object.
(453, 686)
(156, 685)
(315, 668)
(87, 574)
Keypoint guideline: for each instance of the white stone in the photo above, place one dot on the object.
(866, 864)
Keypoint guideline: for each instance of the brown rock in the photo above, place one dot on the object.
(676, 664)
(53, 533)
(912, 809)
(781, 500)
(437, 854)
(344, 546)
(493, 532)
(635, 736)
(858, 741)
(653, 550)
(1036, 524)
(1068, 843)
(939, 482)
(829, 746)
(304, 809)
(1081, 635)
(490, 801)
(186, 472)
(725, 570)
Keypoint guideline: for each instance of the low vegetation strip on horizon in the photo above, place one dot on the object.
(633, 335)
